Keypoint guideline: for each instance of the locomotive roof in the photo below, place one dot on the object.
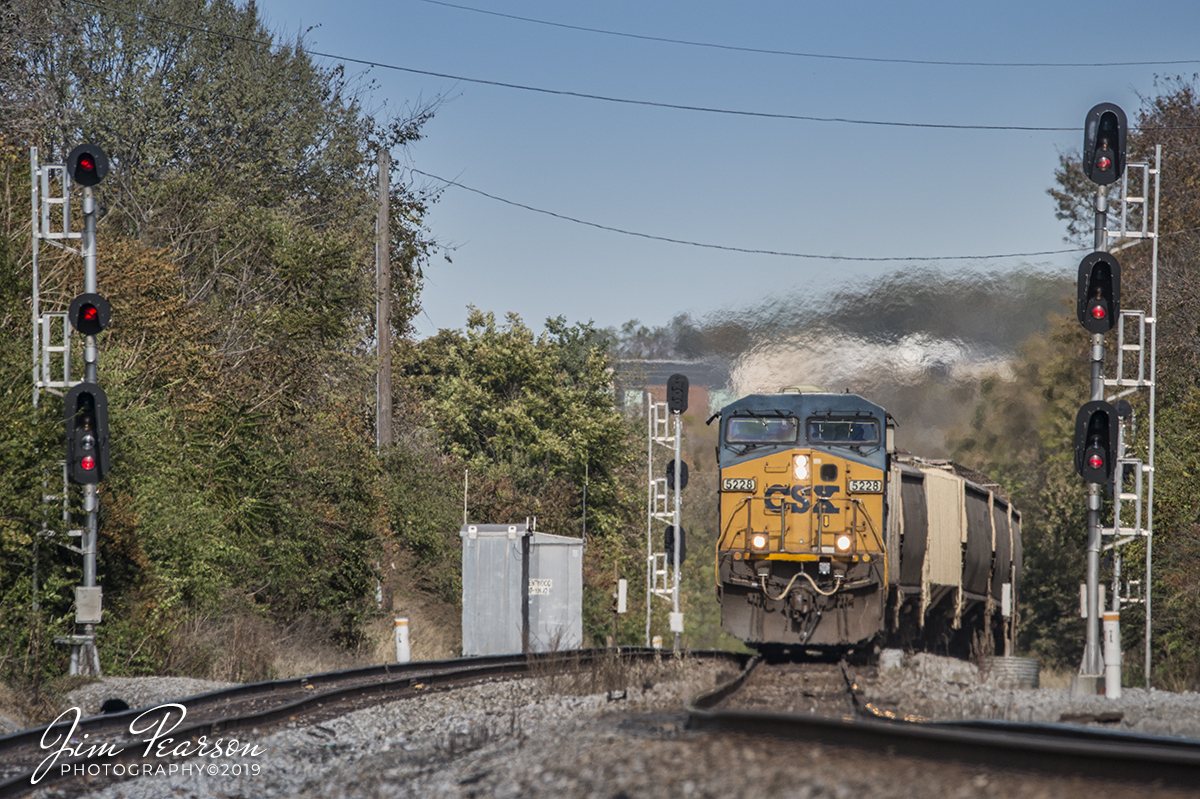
(804, 404)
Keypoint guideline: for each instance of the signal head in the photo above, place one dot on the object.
(87, 165)
(89, 313)
(669, 544)
(85, 413)
(1104, 133)
(1096, 441)
(683, 475)
(677, 393)
(1098, 302)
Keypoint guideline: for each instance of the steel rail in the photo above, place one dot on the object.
(395, 680)
(1055, 749)
(714, 696)
(264, 688)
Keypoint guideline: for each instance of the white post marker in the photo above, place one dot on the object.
(1112, 655)
(403, 654)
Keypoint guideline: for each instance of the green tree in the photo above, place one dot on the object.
(238, 252)
(1021, 435)
(536, 409)
(1022, 431)
(1168, 118)
(29, 450)
(533, 418)
(239, 155)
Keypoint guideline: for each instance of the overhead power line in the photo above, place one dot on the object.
(728, 248)
(797, 54)
(584, 95)
(600, 97)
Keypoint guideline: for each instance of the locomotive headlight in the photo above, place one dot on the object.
(758, 541)
(843, 543)
(800, 467)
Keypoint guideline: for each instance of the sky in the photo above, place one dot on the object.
(746, 181)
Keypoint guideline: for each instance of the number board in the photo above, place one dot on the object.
(540, 587)
(738, 484)
(866, 486)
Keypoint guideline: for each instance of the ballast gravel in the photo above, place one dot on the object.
(942, 689)
(138, 691)
(558, 737)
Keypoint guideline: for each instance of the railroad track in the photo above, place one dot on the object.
(257, 706)
(1057, 749)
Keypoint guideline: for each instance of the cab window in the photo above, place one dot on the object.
(843, 431)
(761, 430)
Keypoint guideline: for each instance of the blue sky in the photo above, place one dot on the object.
(822, 188)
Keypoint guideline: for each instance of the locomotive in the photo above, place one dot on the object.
(832, 540)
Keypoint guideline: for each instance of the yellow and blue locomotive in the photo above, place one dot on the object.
(829, 539)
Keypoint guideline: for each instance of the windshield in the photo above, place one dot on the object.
(843, 431)
(761, 430)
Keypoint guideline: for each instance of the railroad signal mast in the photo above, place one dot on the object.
(1103, 430)
(85, 405)
(665, 428)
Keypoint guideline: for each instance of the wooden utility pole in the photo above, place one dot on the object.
(383, 308)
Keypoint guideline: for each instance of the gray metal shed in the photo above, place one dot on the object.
(520, 586)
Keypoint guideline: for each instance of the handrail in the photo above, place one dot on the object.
(878, 538)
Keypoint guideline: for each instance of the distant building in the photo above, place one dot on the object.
(708, 382)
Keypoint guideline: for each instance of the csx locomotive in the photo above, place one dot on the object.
(831, 540)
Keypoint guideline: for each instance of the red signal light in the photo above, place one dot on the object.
(1103, 163)
(87, 165)
(89, 313)
(1096, 461)
(88, 463)
(1099, 311)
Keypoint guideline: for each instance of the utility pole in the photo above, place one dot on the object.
(383, 307)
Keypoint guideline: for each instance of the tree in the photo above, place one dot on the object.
(533, 419)
(1021, 436)
(537, 409)
(238, 154)
(1022, 430)
(238, 252)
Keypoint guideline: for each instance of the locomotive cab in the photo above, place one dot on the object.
(801, 558)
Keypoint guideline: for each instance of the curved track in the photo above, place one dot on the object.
(313, 698)
(1057, 749)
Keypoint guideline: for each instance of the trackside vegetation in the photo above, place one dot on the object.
(237, 250)
(247, 499)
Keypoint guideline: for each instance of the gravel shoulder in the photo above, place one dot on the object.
(138, 692)
(560, 736)
(942, 689)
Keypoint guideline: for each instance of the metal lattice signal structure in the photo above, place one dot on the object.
(660, 505)
(51, 217)
(50, 213)
(1131, 376)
